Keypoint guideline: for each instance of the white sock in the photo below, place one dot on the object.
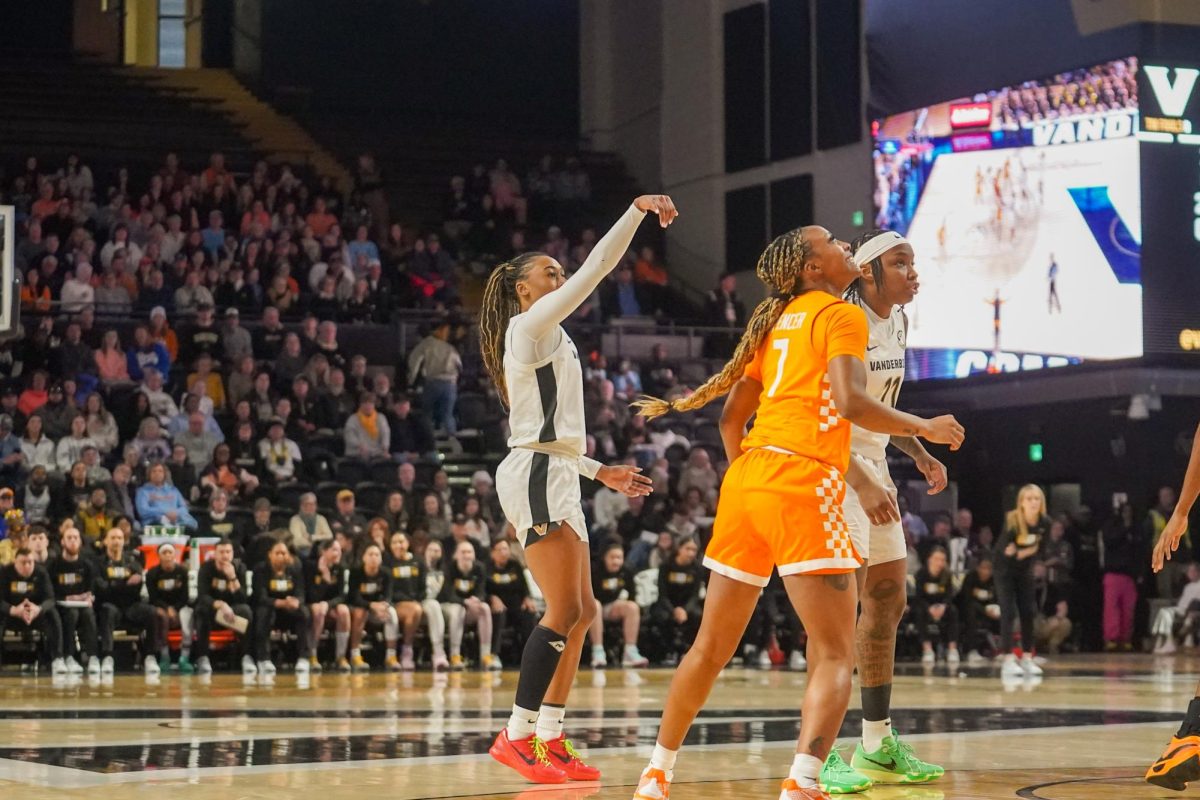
(522, 723)
(873, 733)
(550, 722)
(598, 650)
(485, 650)
(356, 653)
(631, 650)
(663, 758)
(391, 652)
(342, 640)
(805, 770)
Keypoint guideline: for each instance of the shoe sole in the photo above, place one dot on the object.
(1178, 776)
(891, 778)
(825, 787)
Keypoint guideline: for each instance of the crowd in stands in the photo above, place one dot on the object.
(1107, 87)
(232, 480)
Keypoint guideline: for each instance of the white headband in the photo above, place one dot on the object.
(876, 247)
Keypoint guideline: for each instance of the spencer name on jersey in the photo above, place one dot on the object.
(885, 375)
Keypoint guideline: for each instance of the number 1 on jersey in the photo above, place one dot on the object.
(781, 345)
(891, 391)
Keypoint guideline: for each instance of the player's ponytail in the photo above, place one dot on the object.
(779, 268)
(499, 305)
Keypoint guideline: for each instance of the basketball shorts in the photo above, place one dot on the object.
(539, 492)
(778, 509)
(877, 544)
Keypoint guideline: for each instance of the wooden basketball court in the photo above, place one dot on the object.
(1087, 730)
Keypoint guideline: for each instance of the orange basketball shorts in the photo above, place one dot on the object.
(780, 510)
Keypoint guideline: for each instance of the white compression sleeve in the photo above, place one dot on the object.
(589, 467)
(534, 336)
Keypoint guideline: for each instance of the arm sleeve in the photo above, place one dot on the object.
(556, 306)
(589, 467)
(845, 332)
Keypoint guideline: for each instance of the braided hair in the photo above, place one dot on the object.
(779, 267)
(854, 292)
(499, 305)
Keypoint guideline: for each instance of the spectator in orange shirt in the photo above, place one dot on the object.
(320, 220)
(160, 332)
(46, 205)
(216, 174)
(648, 270)
(35, 295)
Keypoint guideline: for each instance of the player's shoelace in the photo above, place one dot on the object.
(836, 764)
(903, 752)
(570, 750)
(540, 751)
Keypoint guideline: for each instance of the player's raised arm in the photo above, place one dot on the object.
(554, 307)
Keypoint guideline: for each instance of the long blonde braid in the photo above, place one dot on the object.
(499, 305)
(779, 268)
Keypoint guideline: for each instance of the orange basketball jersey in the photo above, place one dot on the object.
(796, 411)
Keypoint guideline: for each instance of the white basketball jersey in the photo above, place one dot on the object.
(885, 375)
(546, 399)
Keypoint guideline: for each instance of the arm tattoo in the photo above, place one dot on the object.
(839, 583)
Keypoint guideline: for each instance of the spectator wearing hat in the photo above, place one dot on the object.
(279, 454)
(308, 527)
(58, 412)
(366, 433)
(347, 519)
(235, 340)
(160, 503)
